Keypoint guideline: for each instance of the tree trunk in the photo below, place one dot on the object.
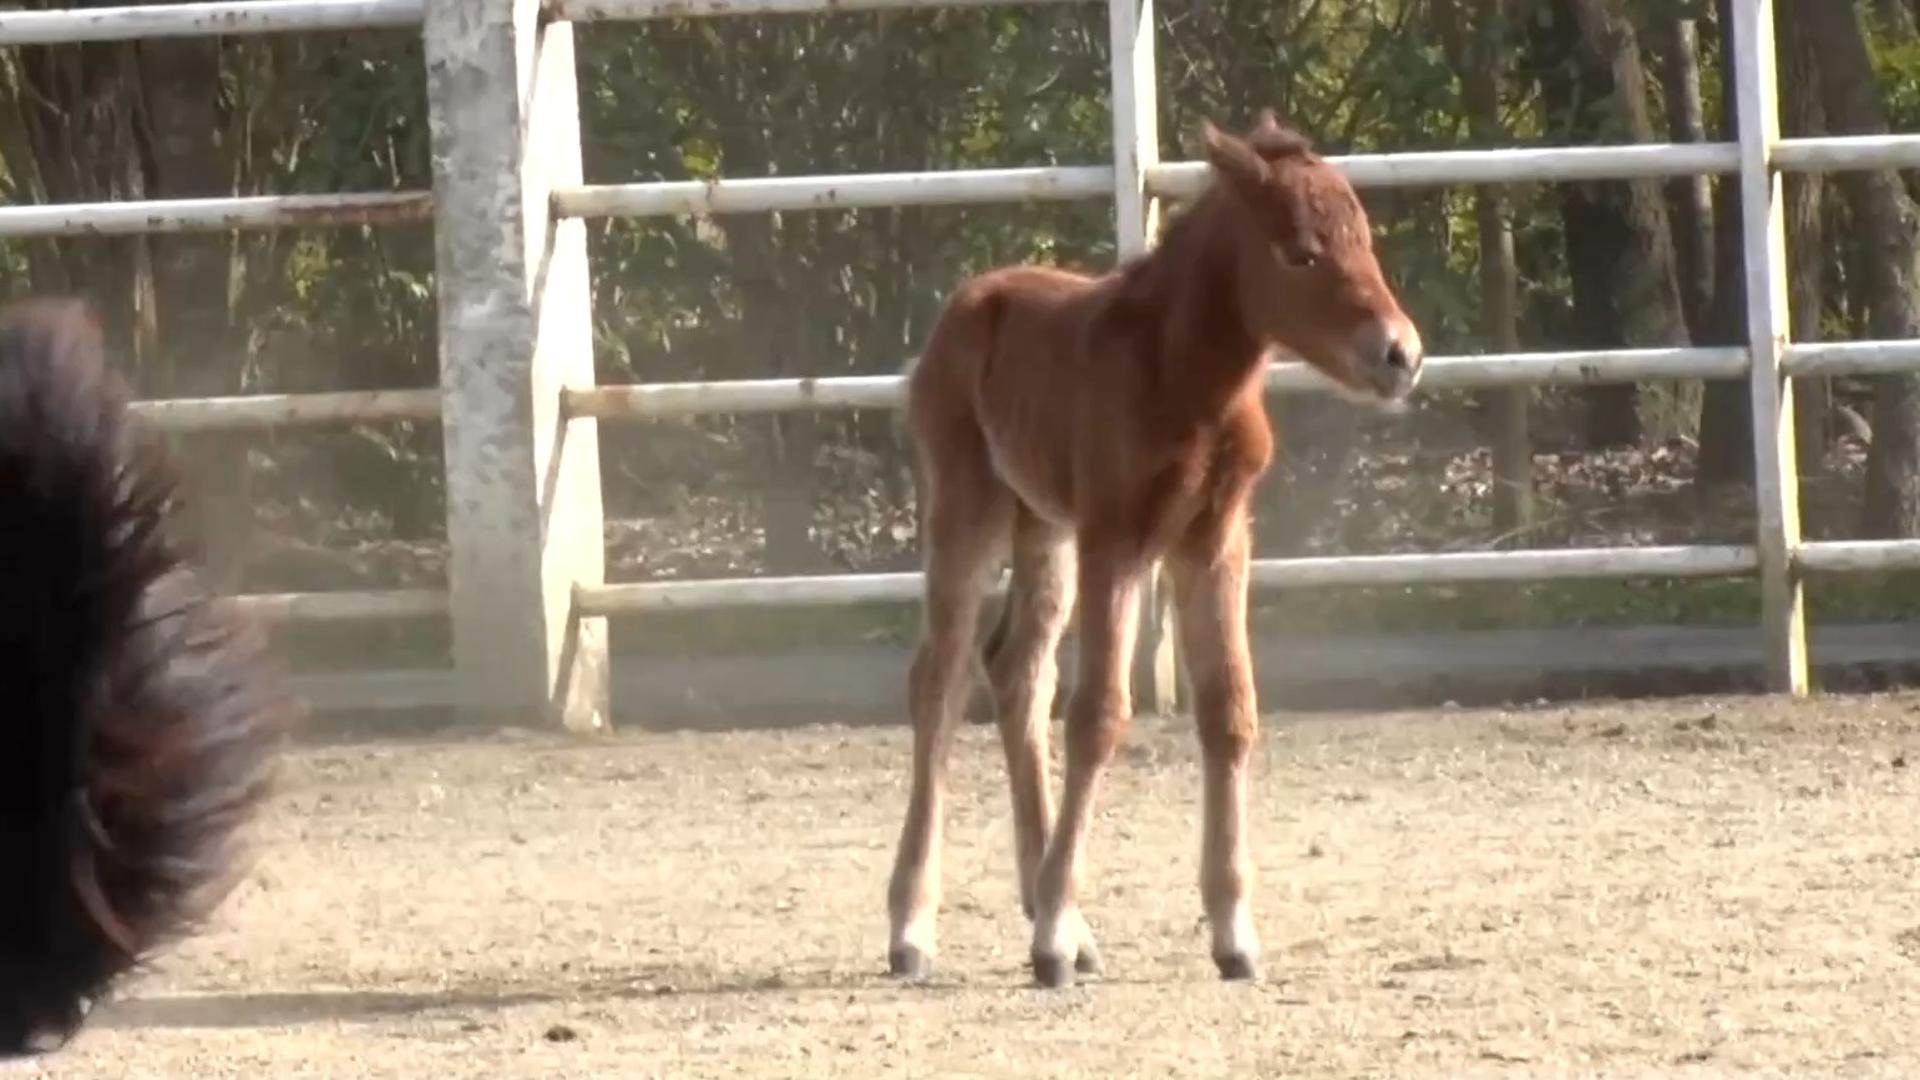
(1477, 60)
(778, 339)
(200, 354)
(1887, 229)
(1619, 249)
(1726, 433)
(76, 145)
(1802, 115)
(768, 256)
(1726, 418)
(46, 270)
(100, 122)
(1689, 198)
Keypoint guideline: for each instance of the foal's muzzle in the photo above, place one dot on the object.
(1389, 357)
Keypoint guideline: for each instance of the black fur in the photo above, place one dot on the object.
(138, 723)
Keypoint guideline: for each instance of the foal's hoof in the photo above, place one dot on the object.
(1237, 967)
(1088, 962)
(1054, 972)
(907, 962)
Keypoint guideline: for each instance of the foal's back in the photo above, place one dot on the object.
(1014, 370)
(1012, 322)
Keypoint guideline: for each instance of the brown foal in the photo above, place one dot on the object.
(1088, 426)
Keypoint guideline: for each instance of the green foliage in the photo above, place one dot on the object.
(836, 292)
(1896, 68)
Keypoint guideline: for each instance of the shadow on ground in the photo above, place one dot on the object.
(302, 1007)
(296, 1008)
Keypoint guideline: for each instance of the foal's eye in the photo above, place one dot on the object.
(1297, 257)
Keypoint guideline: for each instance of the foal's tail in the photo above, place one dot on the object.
(136, 733)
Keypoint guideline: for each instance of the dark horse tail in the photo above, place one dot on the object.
(137, 723)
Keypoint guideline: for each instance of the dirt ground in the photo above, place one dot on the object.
(1725, 887)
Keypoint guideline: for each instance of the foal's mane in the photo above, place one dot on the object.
(1182, 241)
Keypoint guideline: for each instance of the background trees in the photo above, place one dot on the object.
(1527, 266)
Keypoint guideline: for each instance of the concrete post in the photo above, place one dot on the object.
(523, 484)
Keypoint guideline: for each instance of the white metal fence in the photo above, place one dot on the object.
(520, 408)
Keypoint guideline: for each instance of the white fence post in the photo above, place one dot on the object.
(523, 485)
(1136, 222)
(1776, 465)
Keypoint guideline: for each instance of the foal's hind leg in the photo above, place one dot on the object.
(968, 517)
(1209, 569)
(1023, 667)
(1101, 706)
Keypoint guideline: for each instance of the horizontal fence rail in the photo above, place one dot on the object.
(845, 590)
(1463, 567)
(1852, 358)
(1184, 179)
(1516, 165)
(956, 187)
(343, 606)
(1847, 153)
(1169, 180)
(654, 400)
(1582, 367)
(271, 412)
(132, 22)
(152, 216)
(1859, 556)
(704, 594)
(633, 10)
(1346, 571)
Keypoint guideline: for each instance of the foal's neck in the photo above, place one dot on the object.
(1184, 294)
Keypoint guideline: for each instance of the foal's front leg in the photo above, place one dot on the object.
(1209, 572)
(1096, 717)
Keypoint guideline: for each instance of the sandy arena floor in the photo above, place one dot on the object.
(1683, 888)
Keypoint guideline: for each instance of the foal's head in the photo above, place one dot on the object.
(1306, 275)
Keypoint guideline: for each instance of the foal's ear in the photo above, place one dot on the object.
(1232, 157)
(1275, 141)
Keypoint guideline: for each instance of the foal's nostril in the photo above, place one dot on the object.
(1398, 358)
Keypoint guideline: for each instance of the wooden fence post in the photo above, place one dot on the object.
(1776, 486)
(1136, 220)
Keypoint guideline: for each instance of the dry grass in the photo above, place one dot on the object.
(1694, 888)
